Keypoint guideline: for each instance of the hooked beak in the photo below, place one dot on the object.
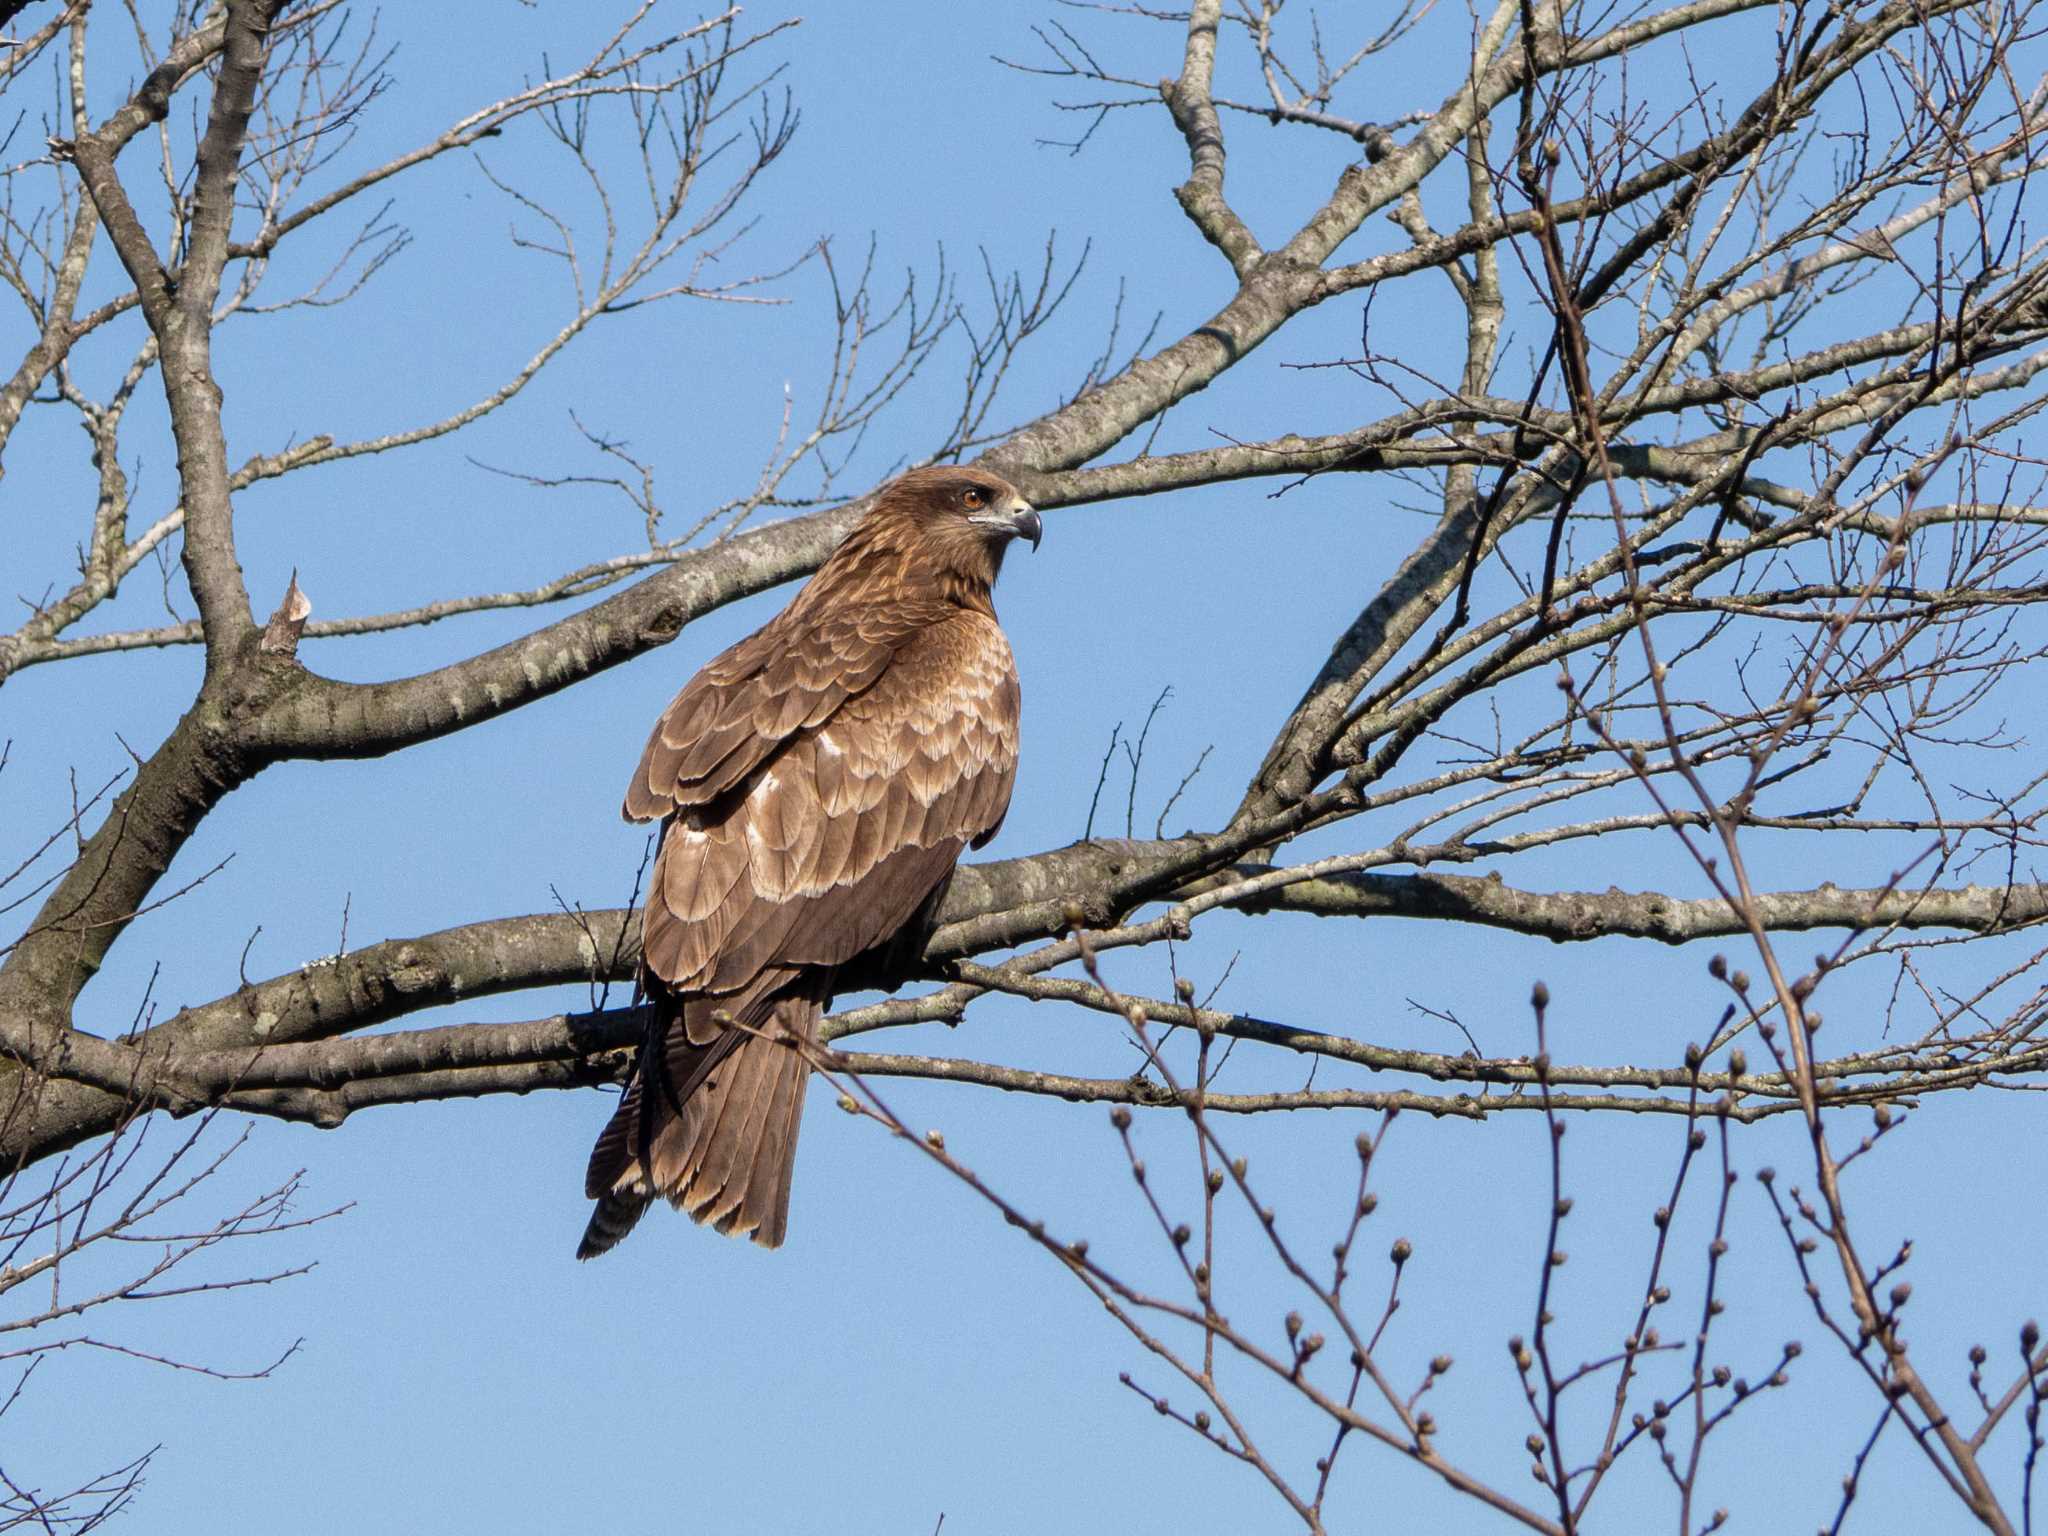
(1024, 518)
(1018, 520)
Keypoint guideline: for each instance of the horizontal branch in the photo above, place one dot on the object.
(324, 1082)
(272, 1046)
(375, 985)
(1569, 916)
(1147, 1093)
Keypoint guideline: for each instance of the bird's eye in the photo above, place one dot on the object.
(974, 497)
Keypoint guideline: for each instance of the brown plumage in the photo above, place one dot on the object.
(816, 784)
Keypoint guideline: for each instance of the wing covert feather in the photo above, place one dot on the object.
(749, 700)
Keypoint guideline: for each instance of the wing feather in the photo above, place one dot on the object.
(837, 789)
(834, 852)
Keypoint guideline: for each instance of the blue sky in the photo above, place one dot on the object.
(905, 1356)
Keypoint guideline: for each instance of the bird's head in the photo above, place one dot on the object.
(949, 522)
(949, 501)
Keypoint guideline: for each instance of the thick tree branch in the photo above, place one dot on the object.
(268, 1035)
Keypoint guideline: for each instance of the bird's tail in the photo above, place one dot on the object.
(726, 1158)
(617, 1213)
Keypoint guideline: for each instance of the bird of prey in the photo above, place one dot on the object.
(816, 784)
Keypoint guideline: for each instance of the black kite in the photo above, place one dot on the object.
(816, 784)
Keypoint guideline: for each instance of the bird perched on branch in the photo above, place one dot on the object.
(816, 784)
